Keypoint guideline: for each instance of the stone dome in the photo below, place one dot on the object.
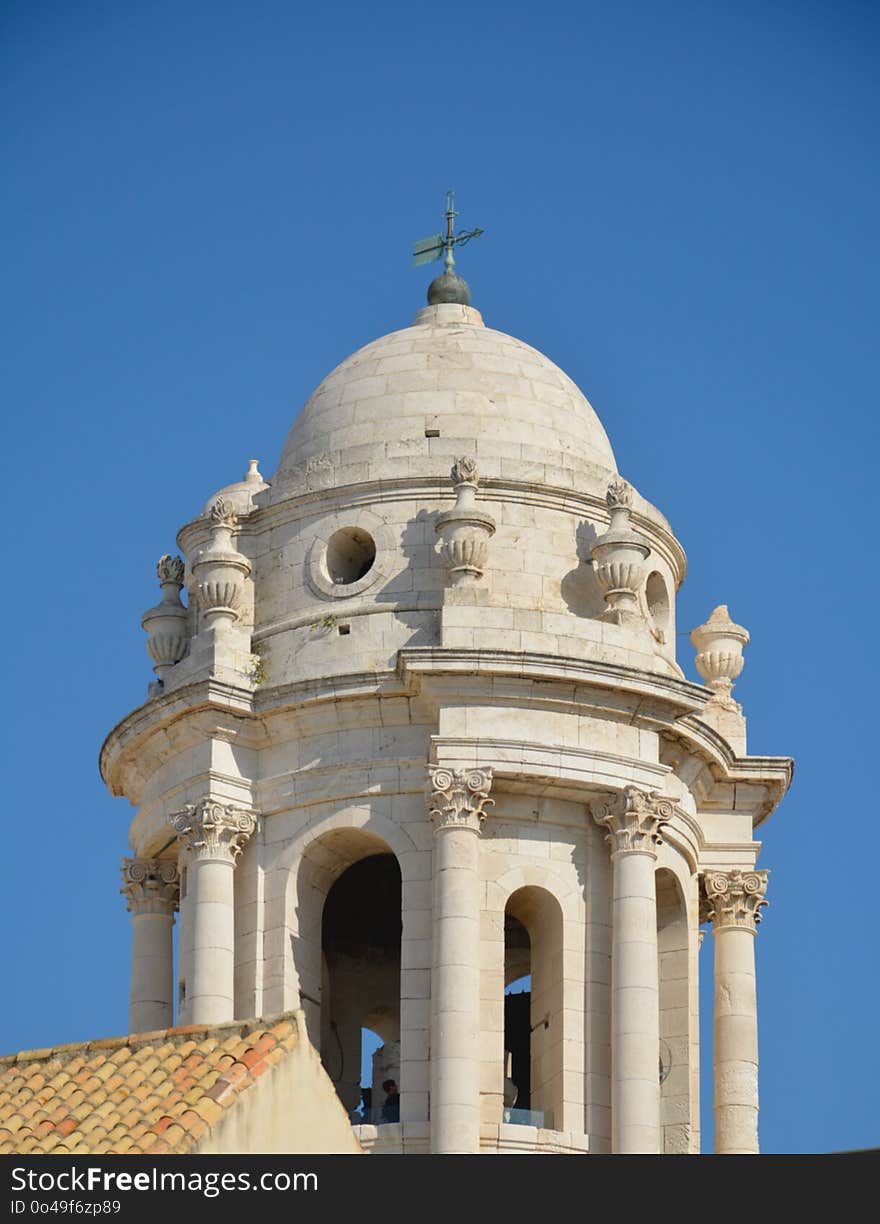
(241, 493)
(448, 376)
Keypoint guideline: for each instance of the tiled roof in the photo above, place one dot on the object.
(151, 1092)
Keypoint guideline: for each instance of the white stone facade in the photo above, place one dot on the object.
(445, 632)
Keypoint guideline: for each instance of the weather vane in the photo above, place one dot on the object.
(432, 248)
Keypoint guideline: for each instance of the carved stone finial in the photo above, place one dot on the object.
(211, 830)
(632, 819)
(464, 530)
(458, 797)
(619, 556)
(618, 494)
(170, 569)
(167, 624)
(220, 569)
(150, 886)
(719, 645)
(223, 512)
(734, 898)
(465, 471)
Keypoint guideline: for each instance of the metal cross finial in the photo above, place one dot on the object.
(432, 248)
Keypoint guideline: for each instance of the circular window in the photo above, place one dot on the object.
(345, 560)
(350, 555)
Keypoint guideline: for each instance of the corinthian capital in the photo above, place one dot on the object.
(632, 819)
(150, 886)
(211, 830)
(458, 797)
(734, 898)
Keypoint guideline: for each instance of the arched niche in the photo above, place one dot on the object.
(659, 610)
(534, 946)
(345, 939)
(674, 1060)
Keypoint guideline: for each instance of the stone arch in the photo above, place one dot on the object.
(359, 929)
(296, 887)
(361, 815)
(323, 859)
(679, 848)
(659, 608)
(540, 914)
(535, 875)
(295, 884)
(673, 952)
(550, 907)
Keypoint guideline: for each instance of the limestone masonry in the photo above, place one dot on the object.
(418, 732)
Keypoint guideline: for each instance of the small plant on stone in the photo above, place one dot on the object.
(326, 623)
(258, 670)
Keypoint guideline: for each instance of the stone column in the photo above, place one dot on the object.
(211, 835)
(632, 819)
(151, 888)
(733, 901)
(456, 803)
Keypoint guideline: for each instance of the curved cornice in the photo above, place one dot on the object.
(213, 709)
(673, 698)
(437, 488)
(160, 713)
(772, 775)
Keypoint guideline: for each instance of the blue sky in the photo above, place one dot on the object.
(208, 205)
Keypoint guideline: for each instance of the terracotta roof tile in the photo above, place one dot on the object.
(209, 1110)
(157, 1092)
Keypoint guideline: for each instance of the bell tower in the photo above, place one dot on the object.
(417, 732)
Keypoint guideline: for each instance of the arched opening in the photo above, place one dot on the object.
(657, 599)
(343, 946)
(533, 1032)
(360, 945)
(674, 1054)
(517, 1018)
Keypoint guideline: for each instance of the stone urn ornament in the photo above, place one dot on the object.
(166, 624)
(619, 556)
(719, 645)
(220, 570)
(465, 530)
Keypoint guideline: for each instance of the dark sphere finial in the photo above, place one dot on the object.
(449, 287)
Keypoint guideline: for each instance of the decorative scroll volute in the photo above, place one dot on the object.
(150, 886)
(632, 820)
(734, 898)
(211, 830)
(459, 796)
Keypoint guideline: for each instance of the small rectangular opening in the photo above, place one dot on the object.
(432, 433)
(344, 629)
